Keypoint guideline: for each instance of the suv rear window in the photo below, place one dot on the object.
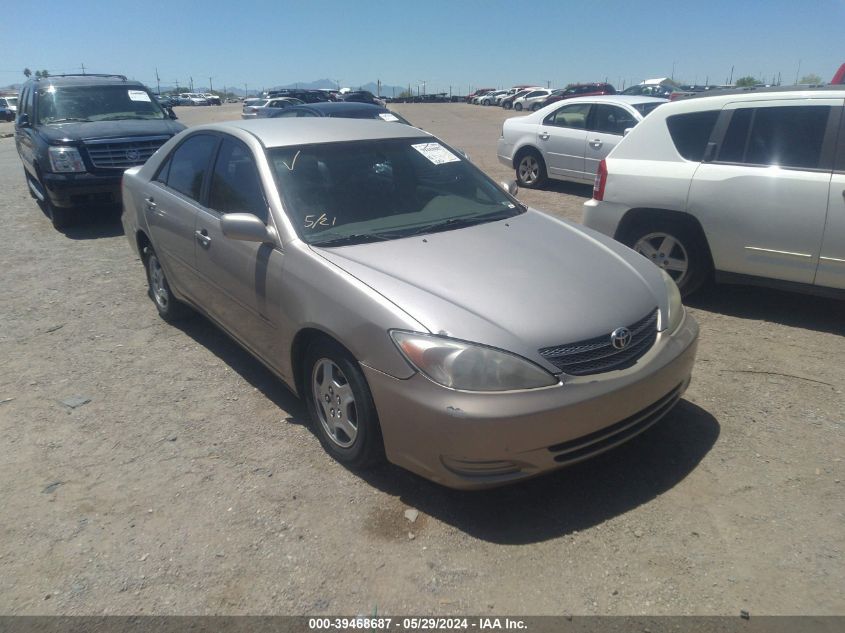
(690, 132)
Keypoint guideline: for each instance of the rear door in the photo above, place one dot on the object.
(240, 280)
(606, 126)
(562, 138)
(170, 206)
(762, 202)
(831, 270)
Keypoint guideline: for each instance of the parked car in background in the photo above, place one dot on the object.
(343, 110)
(76, 134)
(306, 96)
(212, 99)
(746, 184)
(507, 102)
(663, 91)
(532, 100)
(362, 96)
(264, 108)
(478, 93)
(362, 263)
(492, 98)
(566, 141)
(578, 90)
(193, 99)
(839, 76)
(8, 108)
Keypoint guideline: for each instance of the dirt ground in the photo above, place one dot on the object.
(148, 468)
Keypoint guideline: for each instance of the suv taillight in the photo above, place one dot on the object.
(601, 181)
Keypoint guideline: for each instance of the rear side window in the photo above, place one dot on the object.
(189, 165)
(787, 136)
(690, 132)
(611, 119)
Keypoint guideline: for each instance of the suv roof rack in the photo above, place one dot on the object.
(123, 77)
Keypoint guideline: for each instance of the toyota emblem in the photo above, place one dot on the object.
(620, 337)
(133, 154)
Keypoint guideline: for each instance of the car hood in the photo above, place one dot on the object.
(520, 284)
(84, 131)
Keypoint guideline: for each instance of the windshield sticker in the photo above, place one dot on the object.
(313, 221)
(436, 153)
(387, 116)
(138, 95)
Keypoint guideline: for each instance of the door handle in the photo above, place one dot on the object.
(203, 238)
(151, 205)
(596, 142)
(544, 135)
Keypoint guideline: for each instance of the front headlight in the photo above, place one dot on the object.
(65, 159)
(466, 366)
(676, 308)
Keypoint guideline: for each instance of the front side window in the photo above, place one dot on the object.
(235, 184)
(572, 116)
(59, 104)
(189, 165)
(363, 191)
(611, 119)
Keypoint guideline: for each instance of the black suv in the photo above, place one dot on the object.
(76, 134)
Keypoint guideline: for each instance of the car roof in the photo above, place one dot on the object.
(626, 99)
(85, 80)
(283, 132)
(326, 107)
(718, 99)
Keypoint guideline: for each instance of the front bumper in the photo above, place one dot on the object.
(71, 190)
(478, 440)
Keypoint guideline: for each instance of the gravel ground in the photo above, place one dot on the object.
(148, 468)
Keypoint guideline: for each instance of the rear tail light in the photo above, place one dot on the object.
(601, 181)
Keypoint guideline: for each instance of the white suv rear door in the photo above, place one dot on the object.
(762, 202)
(831, 271)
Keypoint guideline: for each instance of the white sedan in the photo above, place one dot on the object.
(567, 139)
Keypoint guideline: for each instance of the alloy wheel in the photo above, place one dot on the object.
(335, 402)
(667, 252)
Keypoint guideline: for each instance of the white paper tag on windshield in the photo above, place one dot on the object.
(138, 95)
(436, 153)
(387, 116)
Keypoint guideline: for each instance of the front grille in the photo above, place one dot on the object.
(122, 153)
(597, 355)
(610, 436)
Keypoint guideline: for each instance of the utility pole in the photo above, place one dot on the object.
(731, 80)
(210, 85)
(177, 85)
(246, 92)
(673, 70)
(378, 87)
(158, 83)
(83, 68)
(192, 82)
(797, 72)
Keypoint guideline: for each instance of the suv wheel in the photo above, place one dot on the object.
(675, 248)
(530, 170)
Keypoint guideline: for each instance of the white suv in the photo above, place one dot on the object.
(748, 185)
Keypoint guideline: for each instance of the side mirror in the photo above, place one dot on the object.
(171, 114)
(23, 120)
(626, 130)
(511, 187)
(246, 227)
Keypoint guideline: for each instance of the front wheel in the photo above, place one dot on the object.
(680, 251)
(341, 406)
(531, 170)
(517, 107)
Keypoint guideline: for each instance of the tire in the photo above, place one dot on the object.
(535, 107)
(508, 106)
(59, 216)
(517, 107)
(169, 307)
(351, 432)
(676, 248)
(531, 170)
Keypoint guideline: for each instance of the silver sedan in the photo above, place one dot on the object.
(421, 311)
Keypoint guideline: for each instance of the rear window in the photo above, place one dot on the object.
(645, 108)
(690, 132)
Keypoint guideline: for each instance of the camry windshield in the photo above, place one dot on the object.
(96, 103)
(365, 191)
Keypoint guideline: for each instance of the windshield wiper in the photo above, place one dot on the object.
(451, 223)
(124, 117)
(355, 238)
(65, 120)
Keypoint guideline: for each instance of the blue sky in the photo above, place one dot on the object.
(461, 43)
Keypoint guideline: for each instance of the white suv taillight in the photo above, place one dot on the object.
(601, 181)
